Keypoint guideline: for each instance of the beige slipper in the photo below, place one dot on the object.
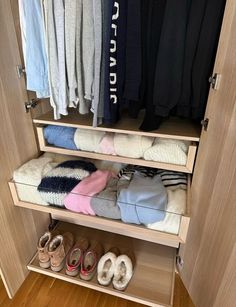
(106, 266)
(123, 271)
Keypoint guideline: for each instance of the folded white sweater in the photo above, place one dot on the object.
(175, 209)
(88, 140)
(168, 151)
(132, 146)
(28, 177)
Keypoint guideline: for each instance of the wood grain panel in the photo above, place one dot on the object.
(211, 235)
(17, 144)
(227, 295)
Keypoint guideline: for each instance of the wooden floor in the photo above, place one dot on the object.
(43, 291)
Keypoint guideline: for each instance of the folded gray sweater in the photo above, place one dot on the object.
(105, 203)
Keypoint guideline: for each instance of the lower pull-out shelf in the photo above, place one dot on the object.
(153, 281)
(116, 226)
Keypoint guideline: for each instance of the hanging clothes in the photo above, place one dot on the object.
(51, 45)
(117, 15)
(133, 61)
(152, 21)
(170, 58)
(205, 56)
(97, 16)
(200, 50)
(121, 54)
(59, 13)
(33, 43)
(72, 21)
(104, 73)
(108, 9)
(88, 50)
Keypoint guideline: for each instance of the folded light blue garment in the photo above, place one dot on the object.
(144, 201)
(60, 136)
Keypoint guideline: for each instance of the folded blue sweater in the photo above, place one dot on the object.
(60, 136)
(144, 201)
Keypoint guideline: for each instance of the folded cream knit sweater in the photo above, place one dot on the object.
(168, 151)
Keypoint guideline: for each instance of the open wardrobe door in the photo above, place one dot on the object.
(19, 227)
(208, 258)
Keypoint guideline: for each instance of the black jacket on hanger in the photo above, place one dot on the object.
(152, 19)
(133, 47)
(170, 58)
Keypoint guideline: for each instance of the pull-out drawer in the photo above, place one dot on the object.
(173, 129)
(171, 231)
(152, 283)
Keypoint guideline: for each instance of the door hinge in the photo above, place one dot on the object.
(20, 71)
(31, 104)
(205, 123)
(215, 81)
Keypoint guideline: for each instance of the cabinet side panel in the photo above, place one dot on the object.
(211, 236)
(19, 228)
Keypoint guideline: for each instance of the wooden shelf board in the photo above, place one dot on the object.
(134, 231)
(174, 128)
(153, 281)
(116, 159)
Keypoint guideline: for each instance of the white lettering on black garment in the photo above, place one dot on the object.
(113, 92)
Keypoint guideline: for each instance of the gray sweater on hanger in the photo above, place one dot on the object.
(59, 13)
(70, 43)
(88, 48)
(51, 47)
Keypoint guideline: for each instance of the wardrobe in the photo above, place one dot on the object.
(204, 251)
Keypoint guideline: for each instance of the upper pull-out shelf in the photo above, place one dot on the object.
(174, 129)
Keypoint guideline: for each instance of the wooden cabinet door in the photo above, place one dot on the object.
(209, 267)
(19, 228)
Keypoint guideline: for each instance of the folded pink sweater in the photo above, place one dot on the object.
(106, 145)
(79, 199)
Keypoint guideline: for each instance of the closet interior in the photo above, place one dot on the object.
(175, 43)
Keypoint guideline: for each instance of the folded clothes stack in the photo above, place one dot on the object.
(61, 180)
(124, 145)
(138, 195)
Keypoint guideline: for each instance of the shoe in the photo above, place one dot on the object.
(123, 271)
(58, 249)
(44, 258)
(106, 266)
(75, 257)
(42, 247)
(90, 260)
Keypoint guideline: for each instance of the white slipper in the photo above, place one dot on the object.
(105, 269)
(123, 272)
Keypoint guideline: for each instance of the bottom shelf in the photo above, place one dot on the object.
(153, 281)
